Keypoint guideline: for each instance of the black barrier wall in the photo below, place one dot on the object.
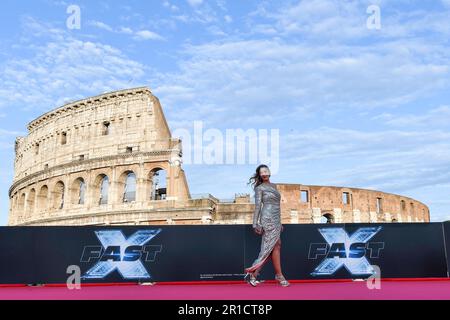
(193, 253)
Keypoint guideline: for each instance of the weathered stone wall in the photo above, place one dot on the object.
(111, 136)
(348, 205)
(329, 203)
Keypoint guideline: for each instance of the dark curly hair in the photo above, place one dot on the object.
(256, 179)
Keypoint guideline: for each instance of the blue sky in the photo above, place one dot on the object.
(355, 106)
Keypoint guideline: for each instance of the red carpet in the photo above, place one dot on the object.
(410, 290)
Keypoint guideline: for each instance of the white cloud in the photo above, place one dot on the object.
(332, 20)
(125, 30)
(147, 35)
(434, 118)
(300, 79)
(7, 141)
(4, 132)
(63, 68)
(446, 3)
(202, 13)
(328, 18)
(172, 7)
(101, 25)
(195, 3)
(137, 35)
(391, 160)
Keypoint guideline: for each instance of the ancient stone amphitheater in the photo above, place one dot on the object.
(111, 160)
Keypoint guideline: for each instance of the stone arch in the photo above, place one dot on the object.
(77, 192)
(157, 181)
(327, 218)
(127, 186)
(58, 196)
(21, 204)
(31, 202)
(42, 199)
(106, 128)
(15, 202)
(102, 185)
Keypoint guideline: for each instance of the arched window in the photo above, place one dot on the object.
(106, 128)
(82, 192)
(327, 219)
(104, 190)
(42, 199)
(77, 192)
(14, 202)
(129, 192)
(31, 202)
(21, 206)
(58, 196)
(63, 138)
(158, 179)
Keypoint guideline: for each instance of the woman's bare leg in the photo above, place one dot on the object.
(276, 254)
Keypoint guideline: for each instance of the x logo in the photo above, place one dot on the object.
(128, 269)
(337, 238)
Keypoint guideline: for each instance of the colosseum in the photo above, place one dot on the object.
(111, 160)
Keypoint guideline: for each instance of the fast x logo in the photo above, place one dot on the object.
(121, 254)
(342, 250)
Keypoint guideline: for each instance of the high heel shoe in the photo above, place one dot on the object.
(282, 281)
(251, 279)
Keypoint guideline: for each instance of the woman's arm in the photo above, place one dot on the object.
(258, 205)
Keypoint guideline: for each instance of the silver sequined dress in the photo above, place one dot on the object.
(267, 215)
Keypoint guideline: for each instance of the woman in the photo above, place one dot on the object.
(266, 222)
